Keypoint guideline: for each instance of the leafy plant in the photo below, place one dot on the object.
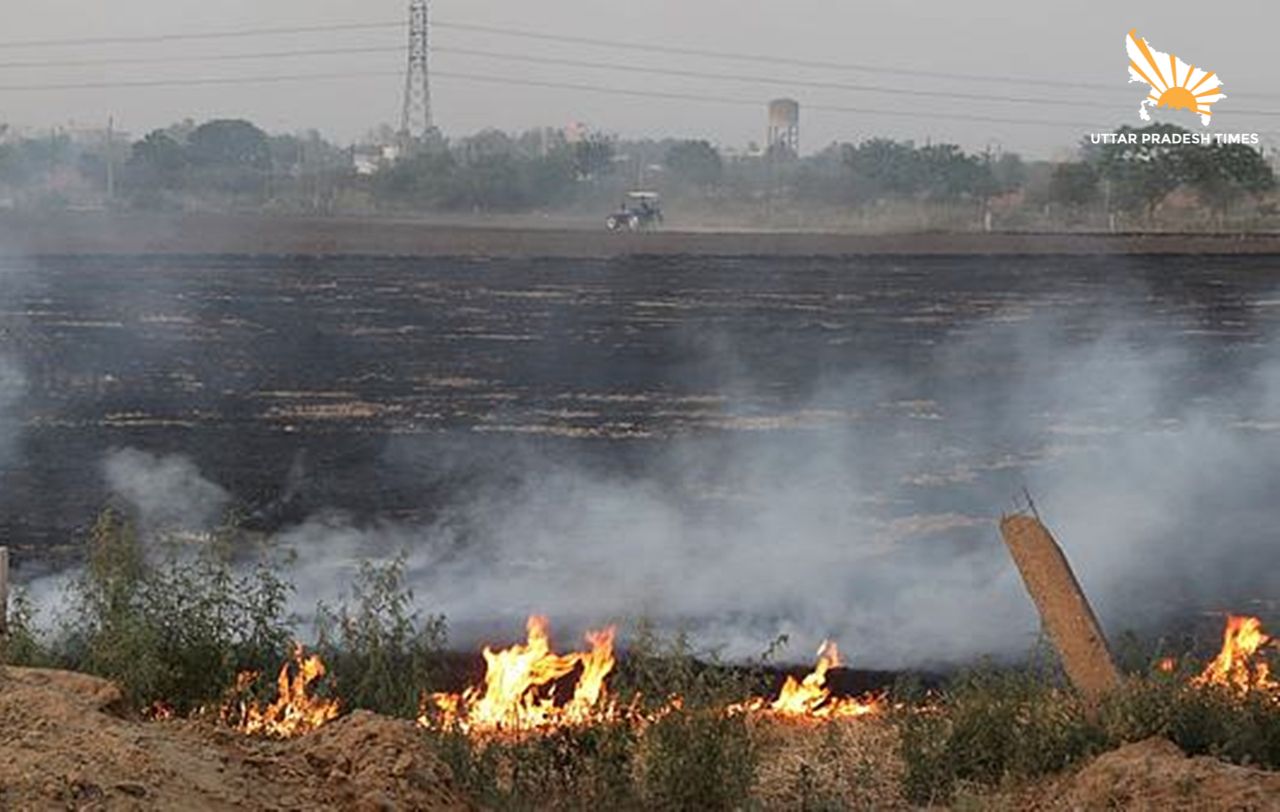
(382, 652)
(178, 630)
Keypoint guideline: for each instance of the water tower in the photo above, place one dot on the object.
(784, 126)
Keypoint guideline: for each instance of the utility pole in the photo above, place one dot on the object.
(415, 120)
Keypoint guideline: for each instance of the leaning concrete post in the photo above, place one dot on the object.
(1064, 609)
(4, 591)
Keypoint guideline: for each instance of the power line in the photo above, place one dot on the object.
(233, 80)
(508, 80)
(159, 60)
(502, 80)
(781, 60)
(198, 35)
(538, 60)
(398, 49)
(771, 80)
(787, 82)
(743, 102)
(579, 40)
(744, 57)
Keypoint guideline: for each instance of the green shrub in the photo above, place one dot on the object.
(990, 726)
(657, 667)
(382, 653)
(1208, 720)
(698, 760)
(23, 646)
(177, 631)
(589, 767)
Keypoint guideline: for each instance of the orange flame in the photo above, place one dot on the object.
(810, 698)
(295, 711)
(518, 692)
(519, 687)
(1238, 665)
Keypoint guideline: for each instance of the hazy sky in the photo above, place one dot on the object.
(1028, 43)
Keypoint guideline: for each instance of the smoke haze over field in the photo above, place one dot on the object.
(1153, 469)
(13, 379)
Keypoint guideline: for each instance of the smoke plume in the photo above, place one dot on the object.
(861, 507)
(873, 521)
(164, 492)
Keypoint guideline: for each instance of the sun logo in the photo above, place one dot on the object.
(1174, 84)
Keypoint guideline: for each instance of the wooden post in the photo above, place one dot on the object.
(1064, 609)
(4, 591)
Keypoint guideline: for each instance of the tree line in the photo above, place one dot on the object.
(235, 164)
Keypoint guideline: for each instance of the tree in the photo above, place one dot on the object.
(30, 158)
(1141, 174)
(593, 156)
(230, 156)
(426, 179)
(1074, 184)
(697, 162)
(1008, 172)
(228, 144)
(882, 168)
(487, 145)
(551, 178)
(157, 161)
(288, 153)
(946, 173)
(1224, 174)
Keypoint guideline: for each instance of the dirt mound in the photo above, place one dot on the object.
(1155, 775)
(63, 746)
(377, 763)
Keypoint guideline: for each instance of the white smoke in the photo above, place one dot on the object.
(874, 523)
(1156, 483)
(164, 491)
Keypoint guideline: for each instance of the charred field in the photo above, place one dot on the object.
(390, 390)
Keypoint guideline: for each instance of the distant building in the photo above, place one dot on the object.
(370, 158)
(576, 131)
(784, 127)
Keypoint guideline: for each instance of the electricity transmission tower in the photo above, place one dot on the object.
(415, 121)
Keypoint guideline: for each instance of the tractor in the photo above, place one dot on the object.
(641, 211)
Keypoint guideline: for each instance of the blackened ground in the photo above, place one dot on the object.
(298, 384)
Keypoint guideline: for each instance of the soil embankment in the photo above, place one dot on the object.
(63, 746)
(96, 233)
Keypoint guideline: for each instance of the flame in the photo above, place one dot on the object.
(1238, 665)
(1167, 665)
(295, 711)
(810, 698)
(518, 692)
(519, 686)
